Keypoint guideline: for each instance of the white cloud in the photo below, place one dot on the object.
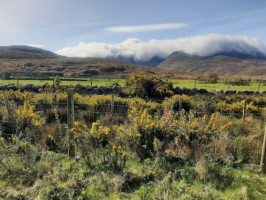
(146, 27)
(37, 46)
(205, 45)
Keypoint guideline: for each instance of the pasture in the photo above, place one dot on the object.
(182, 83)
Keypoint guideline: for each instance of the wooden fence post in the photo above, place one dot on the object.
(6, 101)
(180, 104)
(244, 111)
(263, 154)
(112, 104)
(195, 83)
(229, 86)
(70, 120)
(55, 99)
(259, 86)
(166, 106)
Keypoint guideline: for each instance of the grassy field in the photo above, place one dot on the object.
(184, 83)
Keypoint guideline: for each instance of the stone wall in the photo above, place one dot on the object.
(116, 90)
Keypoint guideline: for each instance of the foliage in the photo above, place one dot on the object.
(213, 77)
(237, 81)
(152, 87)
(154, 151)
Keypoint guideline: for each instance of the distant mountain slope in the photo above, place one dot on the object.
(232, 63)
(25, 52)
(151, 63)
(30, 59)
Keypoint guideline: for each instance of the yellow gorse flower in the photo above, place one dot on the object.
(23, 144)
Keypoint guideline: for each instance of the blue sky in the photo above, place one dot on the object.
(57, 24)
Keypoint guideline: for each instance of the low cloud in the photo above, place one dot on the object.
(126, 29)
(143, 51)
(37, 46)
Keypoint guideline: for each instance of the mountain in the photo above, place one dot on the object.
(230, 63)
(25, 52)
(153, 62)
(31, 59)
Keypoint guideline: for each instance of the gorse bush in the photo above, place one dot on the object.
(152, 87)
(142, 150)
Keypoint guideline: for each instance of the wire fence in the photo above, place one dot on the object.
(117, 109)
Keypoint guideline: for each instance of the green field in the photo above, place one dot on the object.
(182, 83)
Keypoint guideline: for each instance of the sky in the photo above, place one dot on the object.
(111, 27)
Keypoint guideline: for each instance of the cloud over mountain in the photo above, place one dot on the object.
(138, 50)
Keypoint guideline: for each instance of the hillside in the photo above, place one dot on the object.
(223, 63)
(30, 59)
(25, 52)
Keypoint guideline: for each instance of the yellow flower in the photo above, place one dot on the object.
(1, 139)
(150, 172)
(23, 144)
(168, 152)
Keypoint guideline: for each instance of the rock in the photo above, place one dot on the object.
(239, 92)
(95, 91)
(194, 91)
(3, 87)
(219, 91)
(187, 91)
(11, 87)
(230, 92)
(35, 88)
(211, 92)
(247, 92)
(202, 91)
(178, 90)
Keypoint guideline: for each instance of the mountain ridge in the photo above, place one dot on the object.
(232, 63)
(25, 52)
(19, 58)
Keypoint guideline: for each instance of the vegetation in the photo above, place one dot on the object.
(163, 149)
(152, 87)
(213, 77)
(182, 83)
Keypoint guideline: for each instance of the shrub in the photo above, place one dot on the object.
(152, 87)
(213, 77)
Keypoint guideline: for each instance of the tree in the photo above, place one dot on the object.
(213, 77)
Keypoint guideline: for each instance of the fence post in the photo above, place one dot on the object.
(263, 154)
(180, 104)
(195, 83)
(112, 104)
(55, 99)
(70, 120)
(259, 86)
(91, 81)
(27, 102)
(166, 106)
(229, 86)
(6, 101)
(244, 110)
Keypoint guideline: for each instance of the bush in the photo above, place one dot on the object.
(213, 77)
(152, 87)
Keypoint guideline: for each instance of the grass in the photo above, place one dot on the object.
(184, 83)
